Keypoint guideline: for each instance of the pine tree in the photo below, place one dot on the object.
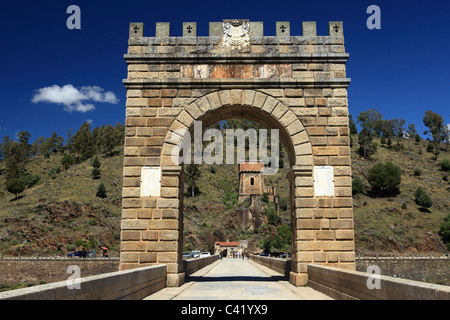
(101, 191)
(96, 172)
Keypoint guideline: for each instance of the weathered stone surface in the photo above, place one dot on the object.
(293, 83)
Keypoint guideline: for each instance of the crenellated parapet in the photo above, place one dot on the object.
(237, 36)
(238, 49)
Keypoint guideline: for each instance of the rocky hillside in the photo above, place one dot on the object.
(62, 211)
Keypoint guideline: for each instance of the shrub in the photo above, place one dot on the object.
(385, 179)
(52, 173)
(284, 203)
(30, 179)
(358, 185)
(417, 172)
(444, 164)
(422, 198)
(444, 230)
(96, 173)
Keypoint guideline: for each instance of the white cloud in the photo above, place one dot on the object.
(74, 99)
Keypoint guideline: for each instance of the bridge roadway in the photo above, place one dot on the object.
(235, 279)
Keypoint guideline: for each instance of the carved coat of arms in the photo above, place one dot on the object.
(236, 34)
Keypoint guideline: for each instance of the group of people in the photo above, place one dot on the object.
(234, 254)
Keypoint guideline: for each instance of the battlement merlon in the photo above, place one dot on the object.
(255, 28)
(237, 50)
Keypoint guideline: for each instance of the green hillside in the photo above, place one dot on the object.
(63, 211)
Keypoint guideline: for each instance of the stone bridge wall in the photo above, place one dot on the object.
(294, 83)
(133, 284)
(48, 270)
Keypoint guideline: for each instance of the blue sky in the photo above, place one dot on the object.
(401, 70)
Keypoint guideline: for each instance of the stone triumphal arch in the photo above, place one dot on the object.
(296, 84)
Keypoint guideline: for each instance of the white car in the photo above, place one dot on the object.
(195, 253)
(205, 254)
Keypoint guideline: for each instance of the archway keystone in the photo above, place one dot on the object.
(296, 84)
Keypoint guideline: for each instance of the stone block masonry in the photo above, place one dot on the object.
(294, 83)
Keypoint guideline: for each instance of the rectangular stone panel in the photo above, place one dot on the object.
(151, 182)
(323, 181)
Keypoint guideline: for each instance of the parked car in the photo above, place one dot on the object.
(187, 255)
(205, 254)
(286, 255)
(81, 254)
(263, 254)
(195, 253)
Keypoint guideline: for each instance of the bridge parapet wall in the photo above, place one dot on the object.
(282, 266)
(191, 266)
(353, 285)
(122, 285)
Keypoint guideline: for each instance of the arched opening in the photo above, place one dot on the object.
(273, 115)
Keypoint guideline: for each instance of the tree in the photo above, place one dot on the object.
(67, 160)
(96, 162)
(435, 124)
(385, 179)
(284, 234)
(23, 137)
(192, 175)
(15, 186)
(96, 171)
(83, 142)
(272, 216)
(101, 191)
(367, 147)
(371, 125)
(14, 158)
(444, 230)
(411, 131)
(352, 125)
(398, 129)
(358, 185)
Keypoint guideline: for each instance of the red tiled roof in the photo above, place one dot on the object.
(251, 166)
(228, 244)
